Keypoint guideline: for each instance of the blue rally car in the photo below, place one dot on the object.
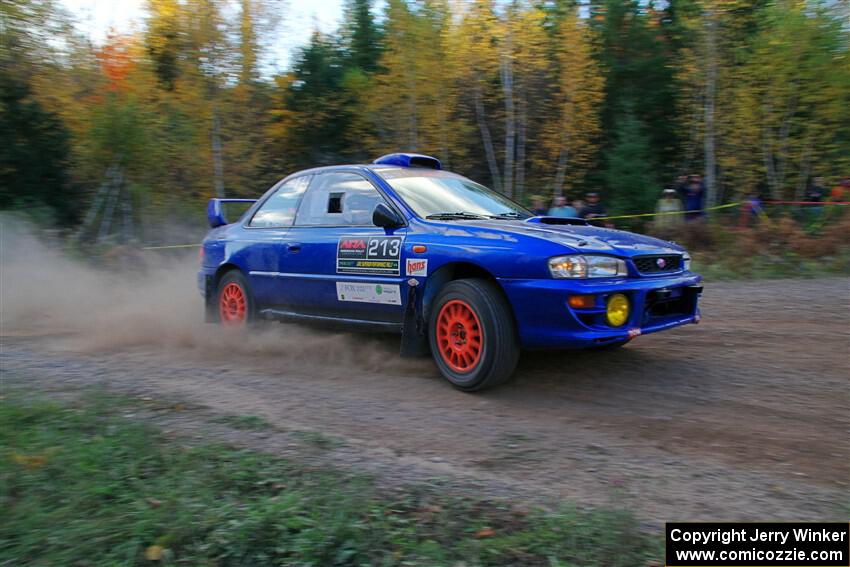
(401, 245)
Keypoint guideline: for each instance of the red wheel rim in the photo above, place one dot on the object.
(459, 337)
(232, 305)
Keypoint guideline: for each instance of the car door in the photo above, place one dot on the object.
(266, 242)
(344, 265)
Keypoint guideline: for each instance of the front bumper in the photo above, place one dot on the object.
(545, 319)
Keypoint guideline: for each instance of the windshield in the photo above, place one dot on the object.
(443, 195)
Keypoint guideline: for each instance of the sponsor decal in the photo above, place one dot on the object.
(634, 333)
(368, 293)
(351, 245)
(416, 267)
(372, 255)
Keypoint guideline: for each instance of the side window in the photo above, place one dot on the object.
(338, 199)
(279, 209)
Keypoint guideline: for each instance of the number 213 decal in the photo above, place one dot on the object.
(383, 248)
(368, 255)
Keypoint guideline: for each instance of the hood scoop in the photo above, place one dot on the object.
(558, 220)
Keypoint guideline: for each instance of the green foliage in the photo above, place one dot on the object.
(363, 41)
(631, 176)
(790, 102)
(82, 485)
(635, 48)
(34, 152)
(529, 97)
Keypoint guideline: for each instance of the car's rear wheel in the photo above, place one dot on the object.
(235, 303)
(472, 335)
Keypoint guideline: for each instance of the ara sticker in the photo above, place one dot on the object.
(416, 267)
(369, 255)
(368, 293)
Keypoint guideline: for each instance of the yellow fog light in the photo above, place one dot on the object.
(617, 311)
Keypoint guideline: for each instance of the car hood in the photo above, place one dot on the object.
(584, 238)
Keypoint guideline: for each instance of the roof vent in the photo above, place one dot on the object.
(409, 160)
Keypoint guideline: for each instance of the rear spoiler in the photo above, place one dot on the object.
(215, 211)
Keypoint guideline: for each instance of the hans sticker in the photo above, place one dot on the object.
(368, 293)
(416, 267)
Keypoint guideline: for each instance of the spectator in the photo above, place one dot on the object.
(693, 194)
(578, 205)
(593, 208)
(751, 210)
(669, 208)
(681, 184)
(561, 209)
(817, 191)
(815, 194)
(537, 206)
(841, 191)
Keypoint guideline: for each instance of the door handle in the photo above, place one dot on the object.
(294, 247)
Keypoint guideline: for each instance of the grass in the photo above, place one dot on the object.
(318, 440)
(246, 422)
(788, 265)
(82, 485)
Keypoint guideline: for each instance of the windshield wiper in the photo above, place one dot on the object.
(457, 215)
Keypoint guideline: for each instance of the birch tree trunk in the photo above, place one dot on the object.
(510, 123)
(769, 167)
(218, 164)
(710, 101)
(100, 197)
(520, 149)
(561, 172)
(444, 141)
(803, 176)
(115, 192)
(487, 140)
(411, 112)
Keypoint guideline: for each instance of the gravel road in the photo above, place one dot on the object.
(743, 417)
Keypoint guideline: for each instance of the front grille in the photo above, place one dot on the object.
(650, 264)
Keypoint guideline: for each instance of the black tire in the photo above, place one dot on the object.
(499, 346)
(235, 278)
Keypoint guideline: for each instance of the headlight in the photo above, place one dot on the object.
(578, 266)
(686, 262)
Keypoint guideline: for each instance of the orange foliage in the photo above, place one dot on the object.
(116, 61)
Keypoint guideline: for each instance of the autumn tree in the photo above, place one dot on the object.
(573, 135)
(412, 101)
(474, 49)
(630, 167)
(633, 46)
(789, 102)
(35, 143)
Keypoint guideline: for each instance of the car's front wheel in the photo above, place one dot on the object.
(235, 302)
(472, 335)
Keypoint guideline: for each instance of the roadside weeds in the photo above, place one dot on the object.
(89, 482)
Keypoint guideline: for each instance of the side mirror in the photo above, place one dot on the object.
(385, 217)
(215, 214)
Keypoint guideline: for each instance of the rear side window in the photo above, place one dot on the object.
(338, 199)
(279, 209)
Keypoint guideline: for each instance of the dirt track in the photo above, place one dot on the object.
(744, 416)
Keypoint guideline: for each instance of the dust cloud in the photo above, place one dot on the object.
(130, 299)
